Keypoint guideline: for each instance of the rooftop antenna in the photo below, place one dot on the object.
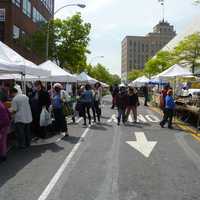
(162, 3)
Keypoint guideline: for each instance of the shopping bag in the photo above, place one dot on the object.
(45, 118)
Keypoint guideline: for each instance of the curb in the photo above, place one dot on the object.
(183, 126)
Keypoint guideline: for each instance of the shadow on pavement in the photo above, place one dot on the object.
(99, 128)
(105, 124)
(71, 139)
(18, 159)
(104, 117)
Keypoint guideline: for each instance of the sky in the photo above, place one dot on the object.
(112, 20)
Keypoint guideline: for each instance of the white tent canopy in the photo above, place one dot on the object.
(174, 71)
(141, 81)
(57, 74)
(12, 62)
(84, 78)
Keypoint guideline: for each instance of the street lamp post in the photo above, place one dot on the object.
(48, 24)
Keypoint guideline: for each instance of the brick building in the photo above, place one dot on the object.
(137, 50)
(19, 17)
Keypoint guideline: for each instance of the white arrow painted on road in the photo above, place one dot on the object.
(113, 119)
(142, 145)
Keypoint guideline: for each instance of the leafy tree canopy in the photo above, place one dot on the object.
(68, 43)
(159, 63)
(135, 74)
(188, 51)
(102, 74)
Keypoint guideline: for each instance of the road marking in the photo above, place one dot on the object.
(142, 145)
(62, 168)
(152, 118)
(112, 119)
(141, 118)
(144, 119)
(79, 120)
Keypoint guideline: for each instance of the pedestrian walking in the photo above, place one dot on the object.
(58, 110)
(132, 103)
(40, 98)
(169, 110)
(22, 118)
(4, 125)
(86, 100)
(115, 91)
(163, 95)
(97, 100)
(121, 102)
(146, 94)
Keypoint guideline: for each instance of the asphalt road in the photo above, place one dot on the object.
(107, 162)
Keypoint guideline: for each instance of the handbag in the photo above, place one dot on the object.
(45, 118)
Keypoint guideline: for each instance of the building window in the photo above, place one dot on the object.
(2, 15)
(16, 32)
(142, 47)
(48, 4)
(37, 17)
(17, 2)
(27, 7)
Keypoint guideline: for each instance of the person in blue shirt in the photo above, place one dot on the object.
(86, 100)
(169, 110)
(57, 103)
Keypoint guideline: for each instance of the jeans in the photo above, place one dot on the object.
(168, 116)
(145, 100)
(97, 110)
(121, 114)
(86, 109)
(23, 134)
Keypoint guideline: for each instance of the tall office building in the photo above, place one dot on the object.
(23, 17)
(137, 50)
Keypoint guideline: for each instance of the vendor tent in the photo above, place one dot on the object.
(174, 71)
(156, 80)
(12, 62)
(57, 74)
(84, 78)
(141, 81)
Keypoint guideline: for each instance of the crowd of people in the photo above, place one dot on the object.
(126, 100)
(32, 113)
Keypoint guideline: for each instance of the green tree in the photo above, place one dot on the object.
(135, 74)
(68, 43)
(101, 73)
(187, 52)
(197, 1)
(159, 63)
(115, 79)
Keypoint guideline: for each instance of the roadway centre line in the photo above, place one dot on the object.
(62, 168)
